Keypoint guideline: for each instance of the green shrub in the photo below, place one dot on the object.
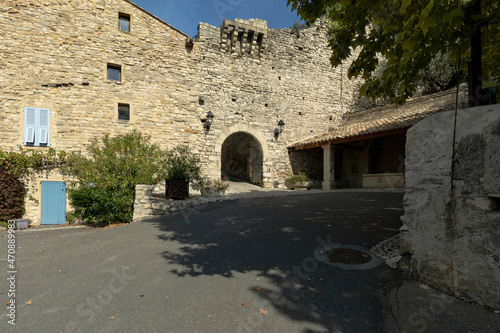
(205, 183)
(12, 193)
(105, 180)
(180, 162)
(70, 218)
(301, 177)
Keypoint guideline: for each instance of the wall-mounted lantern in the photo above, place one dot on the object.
(279, 129)
(208, 122)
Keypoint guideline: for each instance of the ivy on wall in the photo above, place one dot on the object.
(13, 167)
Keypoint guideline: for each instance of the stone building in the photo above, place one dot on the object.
(74, 70)
(367, 148)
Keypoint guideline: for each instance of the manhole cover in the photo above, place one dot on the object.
(348, 256)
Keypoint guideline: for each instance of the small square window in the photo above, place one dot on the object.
(114, 72)
(124, 111)
(124, 22)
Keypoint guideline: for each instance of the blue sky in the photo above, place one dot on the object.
(186, 14)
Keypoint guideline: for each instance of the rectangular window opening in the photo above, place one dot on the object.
(124, 22)
(250, 36)
(123, 111)
(36, 127)
(260, 38)
(114, 72)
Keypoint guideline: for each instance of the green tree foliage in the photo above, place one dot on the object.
(408, 34)
(296, 27)
(180, 162)
(105, 179)
(439, 75)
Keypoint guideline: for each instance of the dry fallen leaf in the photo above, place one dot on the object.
(258, 288)
(112, 317)
(319, 292)
(40, 250)
(262, 312)
(243, 304)
(7, 303)
(364, 255)
(28, 302)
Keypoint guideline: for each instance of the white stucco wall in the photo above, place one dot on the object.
(451, 235)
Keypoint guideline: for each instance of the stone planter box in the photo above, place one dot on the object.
(299, 186)
(177, 188)
(211, 193)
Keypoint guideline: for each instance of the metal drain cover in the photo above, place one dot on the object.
(348, 257)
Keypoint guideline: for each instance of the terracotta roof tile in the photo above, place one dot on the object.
(382, 119)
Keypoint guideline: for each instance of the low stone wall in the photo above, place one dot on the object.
(451, 226)
(373, 180)
(150, 201)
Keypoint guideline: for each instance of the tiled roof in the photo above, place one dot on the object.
(382, 119)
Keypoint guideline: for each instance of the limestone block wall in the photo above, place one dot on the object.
(451, 235)
(148, 202)
(256, 76)
(55, 55)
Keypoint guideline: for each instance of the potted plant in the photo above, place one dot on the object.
(298, 182)
(211, 187)
(180, 167)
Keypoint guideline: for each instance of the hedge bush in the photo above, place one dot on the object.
(105, 180)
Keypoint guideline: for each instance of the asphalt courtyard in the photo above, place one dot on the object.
(245, 265)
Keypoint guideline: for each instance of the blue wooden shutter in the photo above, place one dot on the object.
(29, 125)
(44, 127)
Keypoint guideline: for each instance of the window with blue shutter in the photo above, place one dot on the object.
(36, 127)
(29, 126)
(43, 126)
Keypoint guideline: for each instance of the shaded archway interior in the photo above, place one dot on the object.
(241, 158)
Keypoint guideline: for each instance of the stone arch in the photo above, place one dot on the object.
(245, 142)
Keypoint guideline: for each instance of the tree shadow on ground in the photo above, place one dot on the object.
(277, 238)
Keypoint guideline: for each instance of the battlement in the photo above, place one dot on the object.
(243, 36)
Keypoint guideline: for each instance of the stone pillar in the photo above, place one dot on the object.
(328, 167)
(234, 40)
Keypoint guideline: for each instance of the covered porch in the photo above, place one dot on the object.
(367, 148)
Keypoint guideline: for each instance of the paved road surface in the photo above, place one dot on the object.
(235, 266)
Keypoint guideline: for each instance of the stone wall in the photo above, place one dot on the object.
(257, 81)
(150, 201)
(451, 234)
(55, 55)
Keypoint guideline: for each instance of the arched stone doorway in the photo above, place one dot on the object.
(242, 158)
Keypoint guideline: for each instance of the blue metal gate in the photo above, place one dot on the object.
(53, 203)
